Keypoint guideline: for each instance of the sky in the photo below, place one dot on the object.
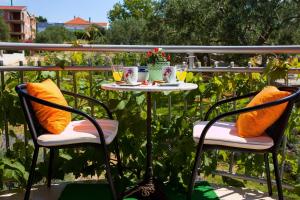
(64, 10)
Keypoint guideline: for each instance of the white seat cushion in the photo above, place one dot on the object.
(82, 131)
(225, 134)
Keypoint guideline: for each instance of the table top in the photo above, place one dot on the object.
(149, 88)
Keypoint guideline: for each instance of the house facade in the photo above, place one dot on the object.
(22, 25)
(78, 23)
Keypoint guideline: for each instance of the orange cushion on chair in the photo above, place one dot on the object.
(52, 119)
(253, 124)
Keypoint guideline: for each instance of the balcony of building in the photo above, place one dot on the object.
(82, 69)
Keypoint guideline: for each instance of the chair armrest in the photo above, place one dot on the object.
(68, 109)
(91, 100)
(227, 101)
(292, 97)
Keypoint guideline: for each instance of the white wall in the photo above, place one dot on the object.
(12, 59)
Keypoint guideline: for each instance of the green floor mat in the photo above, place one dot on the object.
(83, 191)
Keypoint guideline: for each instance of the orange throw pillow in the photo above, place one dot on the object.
(253, 124)
(52, 119)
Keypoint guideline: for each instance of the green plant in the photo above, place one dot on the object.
(174, 148)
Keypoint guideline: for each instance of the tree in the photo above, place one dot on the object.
(127, 31)
(41, 19)
(230, 22)
(138, 9)
(4, 29)
(55, 34)
(208, 22)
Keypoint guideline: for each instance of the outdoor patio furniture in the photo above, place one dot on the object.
(215, 134)
(95, 132)
(149, 188)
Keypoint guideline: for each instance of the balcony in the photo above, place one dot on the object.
(83, 68)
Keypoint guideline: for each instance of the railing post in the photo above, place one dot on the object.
(7, 143)
(91, 86)
(25, 124)
(191, 60)
(284, 140)
(74, 86)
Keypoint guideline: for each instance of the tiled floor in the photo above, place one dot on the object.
(231, 193)
(225, 193)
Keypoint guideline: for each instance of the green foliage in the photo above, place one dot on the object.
(277, 68)
(55, 34)
(4, 30)
(127, 31)
(207, 22)
(173, 147)
(41, 19)
(138, 9)
(93, 34)
(12, 170)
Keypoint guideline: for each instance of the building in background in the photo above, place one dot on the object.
(22, 25)
(78, 23)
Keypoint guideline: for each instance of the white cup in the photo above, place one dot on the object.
(130, 74)
(169, 74)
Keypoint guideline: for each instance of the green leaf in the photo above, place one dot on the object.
(122, 104)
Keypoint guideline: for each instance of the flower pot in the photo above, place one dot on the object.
(155, 70)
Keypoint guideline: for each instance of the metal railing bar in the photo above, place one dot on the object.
(107, 69)
(145, 48)
(54, 68)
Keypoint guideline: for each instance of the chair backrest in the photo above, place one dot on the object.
(34, 126)
(276, 131)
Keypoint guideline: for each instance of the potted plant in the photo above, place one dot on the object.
(156, 60)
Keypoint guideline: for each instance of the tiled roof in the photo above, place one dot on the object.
(77, 21)
(80, 21)
(19, 8)
(101, 23)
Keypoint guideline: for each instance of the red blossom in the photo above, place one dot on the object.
(168, 57)
(156, 55)
(149, 53)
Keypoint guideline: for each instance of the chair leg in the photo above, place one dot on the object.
(269, 180)
(31, 173)
(277, 176)
(194, 174)
(50, 167)
(119, 164)
(109, 176)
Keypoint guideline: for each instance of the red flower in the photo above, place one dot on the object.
(156, 55)
(168, 57)
(149, 53)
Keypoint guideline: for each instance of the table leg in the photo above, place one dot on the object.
(149, 188)
(149, 172)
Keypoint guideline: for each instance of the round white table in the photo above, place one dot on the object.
(148, 188)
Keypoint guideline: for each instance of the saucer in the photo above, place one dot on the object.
(169, 84)
(130, 84)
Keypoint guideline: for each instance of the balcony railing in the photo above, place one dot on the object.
(189, 50)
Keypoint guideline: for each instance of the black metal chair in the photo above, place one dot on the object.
(205, 135)
(99, 133)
